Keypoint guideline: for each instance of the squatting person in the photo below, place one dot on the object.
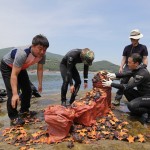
(139, 97)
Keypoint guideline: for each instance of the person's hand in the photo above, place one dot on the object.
(85, 85)
(107, 83)
(72, 88)
(112, 76)
(120, 70)
(40, 88)
(15, 100)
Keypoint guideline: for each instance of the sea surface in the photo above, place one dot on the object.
(52, 82)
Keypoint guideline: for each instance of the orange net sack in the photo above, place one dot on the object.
(84, 112)
(105, 91)
(96, 102)
(59, 120)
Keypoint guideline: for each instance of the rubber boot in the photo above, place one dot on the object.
(63, 103)
(73, 96)
(117, 100)
(148, 119)
(143, 118)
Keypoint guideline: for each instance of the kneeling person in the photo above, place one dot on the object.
(139, 99)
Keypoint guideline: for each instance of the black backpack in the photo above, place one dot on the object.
(3, 93)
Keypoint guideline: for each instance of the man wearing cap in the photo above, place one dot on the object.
(69, 71)
(134, 47)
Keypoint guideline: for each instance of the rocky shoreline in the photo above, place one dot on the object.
(39, 104)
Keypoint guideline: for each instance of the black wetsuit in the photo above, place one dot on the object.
(69, 71)
(139, 99)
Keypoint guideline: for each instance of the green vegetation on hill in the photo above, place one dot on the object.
(104, 65)
(4, 51)
(53, 61)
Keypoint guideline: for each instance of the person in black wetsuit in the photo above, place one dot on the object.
(69, 71)
(139, 99)
(134, 47)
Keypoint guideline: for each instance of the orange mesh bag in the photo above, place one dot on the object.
(84, 112)
(59, 120)
(105, 91)
(101, 108)
(96, 103)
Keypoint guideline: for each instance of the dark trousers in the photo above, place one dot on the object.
(24, 84)
(125, 80)
(137, 104)
(75, 77)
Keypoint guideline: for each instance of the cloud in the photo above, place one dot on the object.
(102, 25)
(20, 20)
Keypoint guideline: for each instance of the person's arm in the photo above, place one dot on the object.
(137, 80)
(145, 60)
(85, 74)
(69, 70)
(124, 74)
(109, 83)
(14, 83)
(40, 76)
(122, 64)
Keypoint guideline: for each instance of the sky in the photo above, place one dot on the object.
(101, 25)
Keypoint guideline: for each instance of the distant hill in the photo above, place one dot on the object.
(4, 51)
(104, 65)
(53, 61)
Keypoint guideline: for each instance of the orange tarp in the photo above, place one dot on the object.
(84, 113)
(59, 120)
